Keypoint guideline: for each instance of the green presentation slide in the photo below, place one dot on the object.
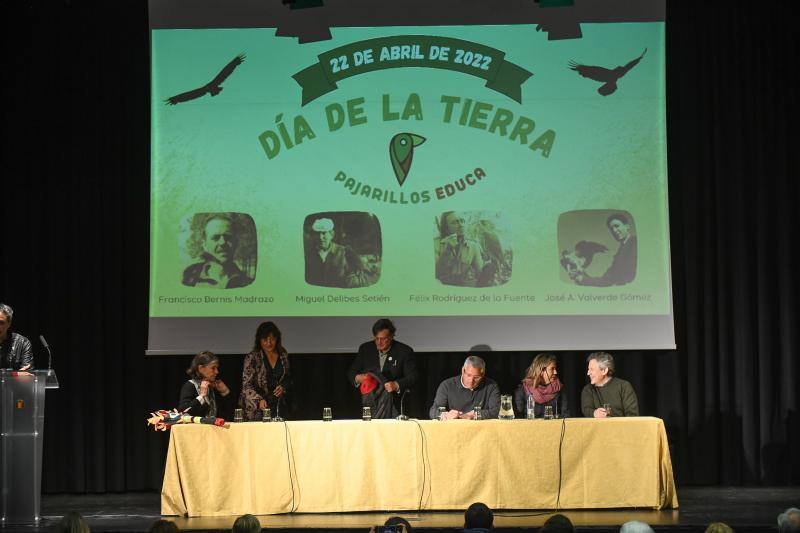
(409, 171)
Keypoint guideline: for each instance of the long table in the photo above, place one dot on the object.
(388, 465)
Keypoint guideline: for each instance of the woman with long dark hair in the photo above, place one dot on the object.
(265, 377)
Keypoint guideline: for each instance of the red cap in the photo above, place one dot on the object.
(369, 384)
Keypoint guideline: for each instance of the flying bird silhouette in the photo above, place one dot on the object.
(213, 87)
(609, 77)
(401, 152)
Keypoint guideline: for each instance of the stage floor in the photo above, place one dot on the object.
(746, 509)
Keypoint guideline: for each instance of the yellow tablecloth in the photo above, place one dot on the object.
(386, 465)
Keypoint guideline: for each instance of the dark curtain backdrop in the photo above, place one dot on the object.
(75, 246)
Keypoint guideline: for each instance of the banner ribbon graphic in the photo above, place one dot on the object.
(412, 51)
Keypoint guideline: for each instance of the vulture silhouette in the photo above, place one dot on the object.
(608, 76)
(214, 87)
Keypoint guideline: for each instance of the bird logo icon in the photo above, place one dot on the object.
(214, 87)
(401, 152)
(609, 76)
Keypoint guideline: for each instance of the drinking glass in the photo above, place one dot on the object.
(441, 411)
(327, 414)
(238, 415)
(506, 411)
(607, 407)
(267, 415)
(366, 414)
(548, 412)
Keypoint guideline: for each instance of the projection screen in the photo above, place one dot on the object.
(491, 177)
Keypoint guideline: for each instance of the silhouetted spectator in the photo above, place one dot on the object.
(399, 521)
(246, 523)
(719, 527)
(558, 523)
(73, 522)
(789, 520)
(635, 526)
(477, 518)
(164, 526)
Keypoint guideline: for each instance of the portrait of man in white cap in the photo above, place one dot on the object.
(329, 263)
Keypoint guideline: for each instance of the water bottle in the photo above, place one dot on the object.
(530, 411)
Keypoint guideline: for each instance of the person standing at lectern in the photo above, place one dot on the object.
(383, 366)
(606, 395)
(15, 350)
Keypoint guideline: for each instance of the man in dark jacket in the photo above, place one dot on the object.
(390, 363)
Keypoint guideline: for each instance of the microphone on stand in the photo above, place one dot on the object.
(402, 416)
(49, 353)
(277, 417)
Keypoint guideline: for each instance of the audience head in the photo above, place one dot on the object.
(73, 522)
(246, 523)
(635, 526)
(789, 520)
(719, 527)
(478, 516)
(399, 521)
(558, 523)
(164, 526)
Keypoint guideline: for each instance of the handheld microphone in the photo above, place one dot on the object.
(402, 416)
(49, 353)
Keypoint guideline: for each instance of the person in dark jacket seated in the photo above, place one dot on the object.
(542, 384)
(202, 393)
